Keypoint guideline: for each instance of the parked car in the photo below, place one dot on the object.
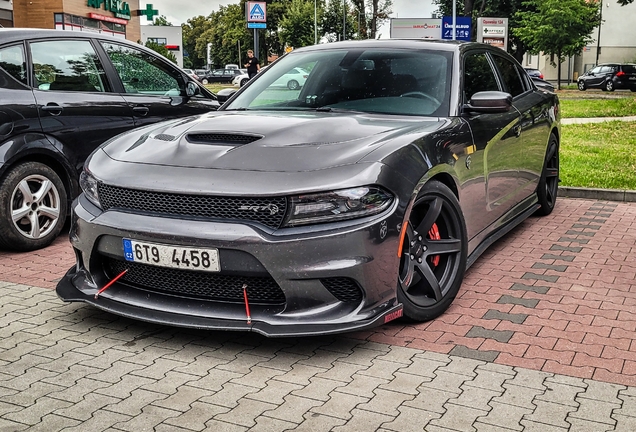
(64, 94)
(609, 77)
(293, 79)
(534, 73)
(359, 199)
(201, 73)
(221, 76)
(191, 74)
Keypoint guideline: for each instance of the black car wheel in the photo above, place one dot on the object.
(434, 251)
(609, 85)
(292, 84)
(33, 199)
(549, 182)
(581, 85)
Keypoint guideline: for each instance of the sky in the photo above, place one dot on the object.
(178, 12)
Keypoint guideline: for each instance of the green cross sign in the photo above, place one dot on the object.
(149, 12)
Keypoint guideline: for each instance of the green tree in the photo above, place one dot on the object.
(161, 49)
(191, 32)
(559, 28)
(297, 25)
(380, 11)
(161, 21)
(332, 21)
(228, 28)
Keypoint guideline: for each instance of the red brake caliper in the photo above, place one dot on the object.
(433, 234)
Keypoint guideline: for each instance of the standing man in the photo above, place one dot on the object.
(252, 64)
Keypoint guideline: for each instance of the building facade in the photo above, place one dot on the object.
(6, 13)
(169, 36)
(112, 17)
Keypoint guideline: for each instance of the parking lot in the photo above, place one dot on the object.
(539, 338)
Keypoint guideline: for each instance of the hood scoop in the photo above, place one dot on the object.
(232, 139)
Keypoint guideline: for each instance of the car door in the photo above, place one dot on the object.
(153, 88)
(19, 114)
(594, 77)
(77, 108)
(535, 127)
(497, 138)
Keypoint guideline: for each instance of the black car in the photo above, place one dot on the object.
(609, 77)
(64, 94)
(221, 76)
(361, 197)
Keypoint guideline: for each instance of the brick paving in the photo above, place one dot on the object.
(539, 338)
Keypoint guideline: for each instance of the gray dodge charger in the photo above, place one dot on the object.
(359, 198)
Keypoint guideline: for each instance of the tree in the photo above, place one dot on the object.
(161, 21)
(559, 28)
(191, 32)
(332, 21)
(297, 25)
(380, 11)
(161, 49)
(227, 28)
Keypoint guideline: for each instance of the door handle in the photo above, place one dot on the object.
(140, 111)
(52, 108)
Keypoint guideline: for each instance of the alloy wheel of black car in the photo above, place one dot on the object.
(34, 201)
(549, 182)
(292, 84)
(609, 85)
(581, 85)
(433, 253)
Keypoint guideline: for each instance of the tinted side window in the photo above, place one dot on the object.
(142, 73)
(478, 75)
(606, 69)
(511, 78)
(68, 65)
(12, 61)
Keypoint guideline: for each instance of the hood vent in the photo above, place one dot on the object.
(221, 138)
(165, 137)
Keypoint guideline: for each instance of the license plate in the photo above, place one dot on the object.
(184, 258)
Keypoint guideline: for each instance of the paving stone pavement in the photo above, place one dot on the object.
(539, 339)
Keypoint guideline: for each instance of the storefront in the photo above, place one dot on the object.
(112, 17)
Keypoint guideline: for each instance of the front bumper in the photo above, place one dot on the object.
(298, 260)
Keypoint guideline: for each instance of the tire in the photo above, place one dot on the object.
(204, 81)
(43, 211)
(581, 85)
(244, 81)
(609, 85)
(293, 85)
(433, 260)
(548, 188)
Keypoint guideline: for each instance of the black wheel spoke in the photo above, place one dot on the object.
(440, 247)
(407, 277)
(431, 216)
(431, 280)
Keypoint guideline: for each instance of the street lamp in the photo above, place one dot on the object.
(315, 26)
(344, 19)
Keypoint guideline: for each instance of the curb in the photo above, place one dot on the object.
(597, 194)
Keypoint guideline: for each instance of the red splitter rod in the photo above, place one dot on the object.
(110, 283)
(247, 305)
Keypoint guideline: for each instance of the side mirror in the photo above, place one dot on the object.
(489, 102)
(192, 89)
(225, 94)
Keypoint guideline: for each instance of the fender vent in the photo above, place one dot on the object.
(222, 138)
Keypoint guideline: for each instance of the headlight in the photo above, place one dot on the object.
(88, 183)
(338, 205)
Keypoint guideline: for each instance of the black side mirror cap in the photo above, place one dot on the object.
(489, 102)
(225, 94)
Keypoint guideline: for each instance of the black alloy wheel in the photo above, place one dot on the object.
(434, 252)
(549, 183)
(33, 207)
(581, 85)
(293, 85)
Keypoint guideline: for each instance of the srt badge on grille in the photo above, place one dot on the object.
(271, 208)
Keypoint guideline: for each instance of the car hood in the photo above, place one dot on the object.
(266, 141)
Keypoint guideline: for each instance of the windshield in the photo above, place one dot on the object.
(401, 82)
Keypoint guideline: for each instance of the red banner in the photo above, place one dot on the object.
(107, 18)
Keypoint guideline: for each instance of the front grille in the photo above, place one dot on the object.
(221, 138)
(344, 289)
(269, 211)
(200, 285)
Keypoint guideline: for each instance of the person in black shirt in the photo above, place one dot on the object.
(252, 64)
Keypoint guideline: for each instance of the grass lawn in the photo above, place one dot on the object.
(599, 155)
(215, 88)
(616, 107)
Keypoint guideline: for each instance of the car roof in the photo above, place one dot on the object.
(438, 44)
(19, 34)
